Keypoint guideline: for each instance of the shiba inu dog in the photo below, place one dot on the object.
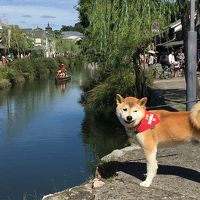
(156, 127)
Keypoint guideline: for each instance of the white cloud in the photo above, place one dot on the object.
(48, 16)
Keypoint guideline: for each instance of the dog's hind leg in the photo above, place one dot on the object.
(152, 167)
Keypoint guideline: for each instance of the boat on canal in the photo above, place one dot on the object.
(62, 76)
(62, 79)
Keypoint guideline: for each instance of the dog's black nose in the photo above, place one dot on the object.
(129, 118)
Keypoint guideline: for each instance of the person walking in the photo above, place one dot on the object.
(151, 60)
(174, 64)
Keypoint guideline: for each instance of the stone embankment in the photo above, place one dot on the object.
(118, 174)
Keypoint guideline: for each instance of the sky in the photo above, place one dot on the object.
(38, 13)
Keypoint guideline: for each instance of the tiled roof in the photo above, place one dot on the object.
(72, 33)
(35, 33)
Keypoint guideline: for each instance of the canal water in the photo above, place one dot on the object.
(47, 143)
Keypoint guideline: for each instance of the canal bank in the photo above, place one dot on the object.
(119, 173)
(22, 70)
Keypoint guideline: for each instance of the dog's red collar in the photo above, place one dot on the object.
(148, 122)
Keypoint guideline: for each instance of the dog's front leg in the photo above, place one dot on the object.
(152, 167)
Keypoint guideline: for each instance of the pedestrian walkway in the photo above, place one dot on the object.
(172, 91)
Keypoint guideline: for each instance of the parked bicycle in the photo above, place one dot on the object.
(162, 72)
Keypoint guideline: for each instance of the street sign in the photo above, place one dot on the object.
(155, 26)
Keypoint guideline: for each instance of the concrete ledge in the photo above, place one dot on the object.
(121, 172)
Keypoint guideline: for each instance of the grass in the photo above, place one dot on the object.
(181, 107)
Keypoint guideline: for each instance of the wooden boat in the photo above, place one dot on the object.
(62, 80)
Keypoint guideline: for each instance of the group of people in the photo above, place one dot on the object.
(10, 57)
(62, 72)
(174, 60)
(3, 59)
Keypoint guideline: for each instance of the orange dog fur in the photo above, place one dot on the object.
(174, 127)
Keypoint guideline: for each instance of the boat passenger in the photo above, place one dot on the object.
(63, 70)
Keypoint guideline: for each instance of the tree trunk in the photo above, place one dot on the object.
(185, 13)
(140, 84)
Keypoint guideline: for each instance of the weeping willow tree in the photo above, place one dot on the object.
(116, 32)
(14, 38)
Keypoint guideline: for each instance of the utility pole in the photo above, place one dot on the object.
(191, 60)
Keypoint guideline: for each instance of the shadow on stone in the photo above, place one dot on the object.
(158, 99)
(136, 169)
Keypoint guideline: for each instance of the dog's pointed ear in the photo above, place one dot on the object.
(142, 101)
(119, 99)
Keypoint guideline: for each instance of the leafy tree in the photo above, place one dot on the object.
(14, 38)
(116, 32)
(63, 46)
(77, 27)
(66, 28)
(57, 33)
(83, 8)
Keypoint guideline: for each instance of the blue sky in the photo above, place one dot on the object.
(37, 13)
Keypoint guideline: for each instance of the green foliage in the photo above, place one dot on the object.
(83, 9)
(63, 45)
(10, 74)
(103, 95)
(119, 28)
(37, 68)
(77, 27)
(100, 97)
(50, 63)
(29, 69)
(14, 38)
(40, 68)
(24, 66)
(4, 83)
(68, 62)
(116, 32)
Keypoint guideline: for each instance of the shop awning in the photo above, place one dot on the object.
(171, 43)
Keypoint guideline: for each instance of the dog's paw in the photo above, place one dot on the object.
(145, 183)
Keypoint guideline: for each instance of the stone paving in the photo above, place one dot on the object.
(173, 91)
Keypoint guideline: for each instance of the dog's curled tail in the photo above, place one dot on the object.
(195, 115)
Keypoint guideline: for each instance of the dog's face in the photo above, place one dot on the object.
(130, 110)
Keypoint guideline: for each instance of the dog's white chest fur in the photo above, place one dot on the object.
(139, 136)
(140, 139)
